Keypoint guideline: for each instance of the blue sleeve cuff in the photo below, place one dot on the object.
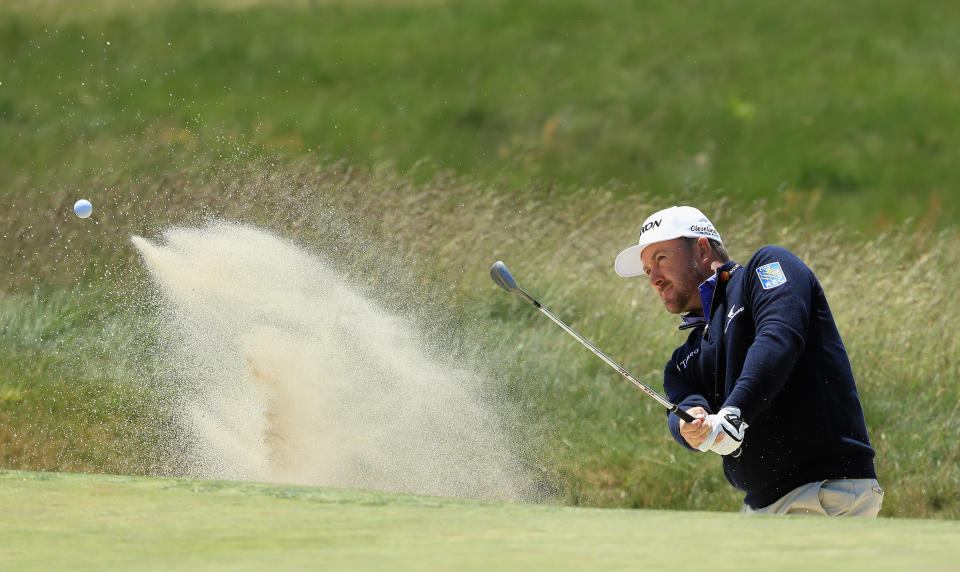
(673, 423)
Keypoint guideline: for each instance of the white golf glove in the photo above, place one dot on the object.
(726, 422)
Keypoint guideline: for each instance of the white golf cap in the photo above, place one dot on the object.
(667, 224)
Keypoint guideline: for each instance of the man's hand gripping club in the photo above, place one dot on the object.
(721, 433)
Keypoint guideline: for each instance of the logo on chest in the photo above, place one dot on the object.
(686, 361)
(771, 275)
(733, 313)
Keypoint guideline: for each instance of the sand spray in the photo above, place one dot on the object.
(282, 372)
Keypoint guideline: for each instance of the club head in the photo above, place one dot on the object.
(505, 280)
(502, 277)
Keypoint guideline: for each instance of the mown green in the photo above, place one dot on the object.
(88, 522)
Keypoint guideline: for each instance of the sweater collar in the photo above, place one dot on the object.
(707, 290)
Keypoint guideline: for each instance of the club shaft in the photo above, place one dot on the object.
(646, 389)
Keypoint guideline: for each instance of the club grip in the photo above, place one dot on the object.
(682, 414)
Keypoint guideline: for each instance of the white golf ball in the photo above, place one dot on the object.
(83, 208)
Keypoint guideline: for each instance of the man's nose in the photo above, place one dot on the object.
(655, 278)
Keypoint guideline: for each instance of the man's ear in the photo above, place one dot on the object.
(704, 249)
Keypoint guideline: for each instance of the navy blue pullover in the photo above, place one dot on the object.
(771, 348)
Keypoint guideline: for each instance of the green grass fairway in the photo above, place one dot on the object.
(58, 521)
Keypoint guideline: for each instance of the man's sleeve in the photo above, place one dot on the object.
(681, 391)
(778, 287)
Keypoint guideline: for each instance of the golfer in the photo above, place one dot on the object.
(763, 372)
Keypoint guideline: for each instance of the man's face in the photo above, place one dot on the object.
(674, 273)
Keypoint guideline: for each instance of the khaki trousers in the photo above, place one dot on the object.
(841, 497)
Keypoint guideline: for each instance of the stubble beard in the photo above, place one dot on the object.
(686, 290)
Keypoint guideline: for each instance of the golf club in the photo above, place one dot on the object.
(505, 280)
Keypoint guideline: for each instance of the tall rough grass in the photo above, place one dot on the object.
(425, 248)
(72, 397)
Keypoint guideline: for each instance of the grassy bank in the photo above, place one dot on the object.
(91, 522)
(838, 106)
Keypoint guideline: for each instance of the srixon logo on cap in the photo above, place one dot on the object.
(650, 226)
